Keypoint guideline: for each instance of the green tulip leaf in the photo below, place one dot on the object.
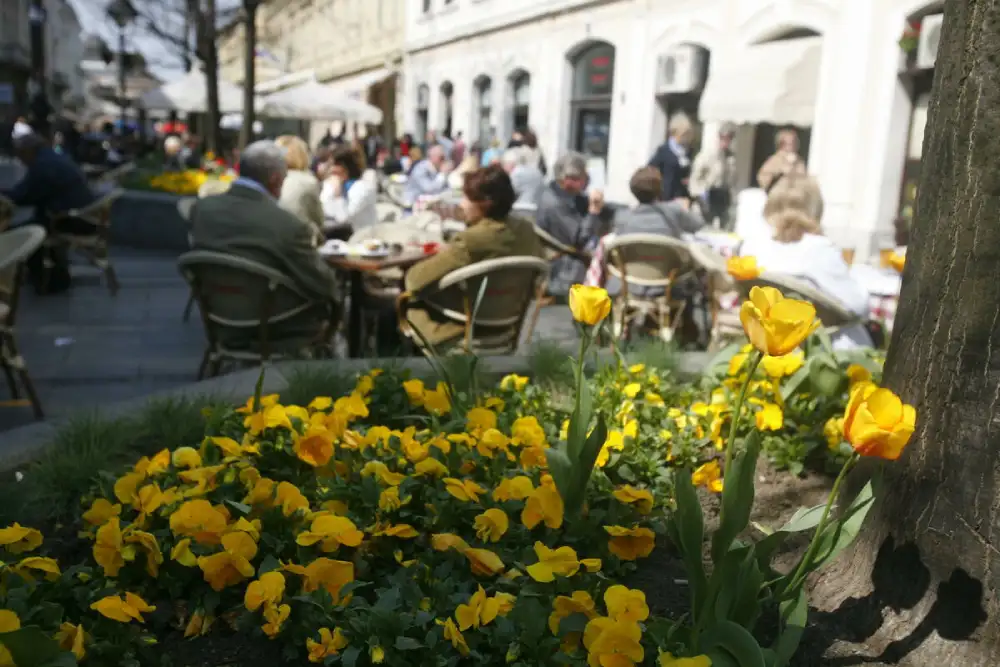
(737, 496)
(687, 528)
(31, 647)
(792, 617)
(725, 638)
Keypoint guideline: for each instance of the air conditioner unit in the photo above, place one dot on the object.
(930, 37)
(680, 70)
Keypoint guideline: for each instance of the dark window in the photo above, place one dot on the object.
(593, 85)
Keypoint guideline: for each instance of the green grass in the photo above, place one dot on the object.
(309, 381)
(549, 365)
(91, 443)
(655, 354)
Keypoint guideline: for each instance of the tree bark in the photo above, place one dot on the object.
(250, 71)
(927, 565)
(213, 133)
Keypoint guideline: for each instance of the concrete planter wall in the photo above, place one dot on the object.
(149, 221)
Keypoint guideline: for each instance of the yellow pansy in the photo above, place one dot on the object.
(668, 660)
(232, 565)
(331, 575)
(897, 261)
(107, 548)
(100, 511)
(613, 643)
(857, 373)
(403, 531)
(543, 504)
(630, 543)
(186, 457)
(480, 610)
(430, 467)
(770, 418)
(513, 383)
(743, 268)
(437, 400)
(833, 430)
(484, 562)
(708, 475)
(478, 420)
(632, 389)
(16, 538)
(414, 391)
(454, 635)
(736, 363)
(274, 617)
(515, 488)
(776, 325)
(446, 541)
(331, 642)
(463, 489)
(331, 532)
(642, 499)
(71, 638)
(491, 525)
(290, 498)
(124, 610)
(9, 622)
(877, 423)
(315, 446)
(552, 562)
(779, 367)
(625, 604)
(182, 553)
(27, 567)
(579, 603)
(382, 472)
(273, 416)
(589, 305)
(269, 588)
(199, 520)
(138, 540)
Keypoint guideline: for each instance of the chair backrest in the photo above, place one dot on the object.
(15, 248)
(239, 294)
(213, 186)
(552, 245)
(184, 207)
(396, 192)
(527, 212)
(99, 211)
(830, 311)
(710, 261)
(648, 260)
(114, 176)
(510, 286)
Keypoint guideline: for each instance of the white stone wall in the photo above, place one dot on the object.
(862, 112)
(64, 43)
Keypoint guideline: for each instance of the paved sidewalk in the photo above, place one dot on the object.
(85, 349)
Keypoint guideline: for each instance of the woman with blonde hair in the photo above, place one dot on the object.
(786, 160)
(300, 191)
(799, 249)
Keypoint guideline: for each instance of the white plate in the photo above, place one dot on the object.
(333, 248)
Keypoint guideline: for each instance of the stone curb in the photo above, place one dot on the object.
(21, 446)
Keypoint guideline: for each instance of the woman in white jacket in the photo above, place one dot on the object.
(799, 249)
(347, 198)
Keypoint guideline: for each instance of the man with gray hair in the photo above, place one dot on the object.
(672, 158)
(429, 177)
(571, 218)
(525, 175)
(247, 222)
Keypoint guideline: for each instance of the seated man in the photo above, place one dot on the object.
(53, 184)
(247, 222)
(571, 218)
(428, 177)
(492, 234)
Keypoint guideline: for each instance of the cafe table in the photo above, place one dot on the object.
(356, 268)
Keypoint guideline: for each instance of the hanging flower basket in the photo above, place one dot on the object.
(910, 38)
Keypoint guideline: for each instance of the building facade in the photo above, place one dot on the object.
(355, 46)
(604, 76)
(64, 54)
(15, 57)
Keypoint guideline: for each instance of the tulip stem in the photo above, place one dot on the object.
(803, 569)
(738, 413)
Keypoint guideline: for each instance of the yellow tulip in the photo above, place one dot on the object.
(743, 268)
(589, 305)
(897, 261)
(776, 325)
(877, 423)
(630, 543)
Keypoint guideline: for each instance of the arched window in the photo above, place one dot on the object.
(447, 92)
(590, 105)
(423, 102)
(521, 94)
(484, 109)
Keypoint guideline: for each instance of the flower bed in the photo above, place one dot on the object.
(406, 523)
(184, 183)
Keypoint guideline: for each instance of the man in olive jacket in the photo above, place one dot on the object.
(247, 222)
(494, 237)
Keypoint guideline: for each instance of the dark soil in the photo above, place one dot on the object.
(662, 576)
(223, 649)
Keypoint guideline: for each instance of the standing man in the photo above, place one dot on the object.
(673, 160)
(713, 178)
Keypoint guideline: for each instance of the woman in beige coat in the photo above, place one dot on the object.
(300, 191)
(785, 161)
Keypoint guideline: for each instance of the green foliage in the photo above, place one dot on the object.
(307, 381)
(550, 366)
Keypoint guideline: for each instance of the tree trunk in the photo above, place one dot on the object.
(920, 587)
(213, 133)
(250, 72)
(191, 14)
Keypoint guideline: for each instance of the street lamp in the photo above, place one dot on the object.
(122, 13)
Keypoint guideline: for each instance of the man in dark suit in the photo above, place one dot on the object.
(53, 184)
(247, 222)
(673, 160)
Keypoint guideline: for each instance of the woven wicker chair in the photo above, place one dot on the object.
(647, 261)
(15, 248)
(93, 247)
(387, 211)
(114, 177)
(510, 284)
(242, 305)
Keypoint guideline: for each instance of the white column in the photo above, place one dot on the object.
(836, 148)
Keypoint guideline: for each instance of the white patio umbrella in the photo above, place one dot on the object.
(190, 94)
(315, 101)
